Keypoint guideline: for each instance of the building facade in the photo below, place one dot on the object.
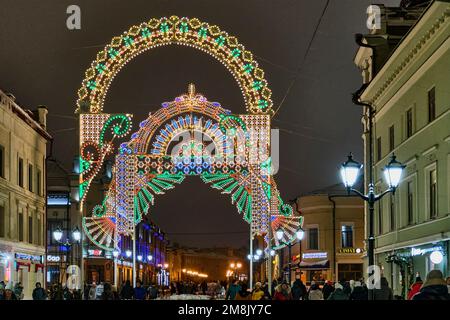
(409, 93)
(333, 243)
(23, 141)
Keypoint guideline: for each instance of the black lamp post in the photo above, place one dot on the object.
(299, 235)
(392, 173)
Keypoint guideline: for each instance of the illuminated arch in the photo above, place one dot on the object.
(175, 31)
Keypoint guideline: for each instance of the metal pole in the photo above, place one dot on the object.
(371, 239)
(269, 255)
(251, 258)
(289, 263)
(134, 256)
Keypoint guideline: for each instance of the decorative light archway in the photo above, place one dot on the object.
(143, 167)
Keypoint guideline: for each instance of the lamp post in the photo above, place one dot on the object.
(349, 174)
(299, 235)
(234, 268)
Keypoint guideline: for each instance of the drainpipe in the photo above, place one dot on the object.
(47, 157)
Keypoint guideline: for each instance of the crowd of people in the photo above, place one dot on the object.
(435, 287)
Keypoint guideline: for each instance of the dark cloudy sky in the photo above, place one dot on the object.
(42, 62)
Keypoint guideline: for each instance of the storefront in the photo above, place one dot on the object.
(314, 266)
(99, 266)
(401, 266)
(349, 264)
(5, 266)
(28, 270)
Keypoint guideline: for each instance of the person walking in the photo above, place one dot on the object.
(298, 289)
(139, 292)
(415, 287)
(243, 294)
(358, 293)
(39, 292)
(314, 292)
(282, 292)
(338, 293)
(18, 290)
(92, 292)
(327, 289)
(232, 291)
(257, 293)
(384, 292)
(434, 287)
(152, 291)
(107, 293)
(127, 292)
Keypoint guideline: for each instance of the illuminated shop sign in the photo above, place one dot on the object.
(315, 255)
(420, 252)
(23, 256)
(95, 252)
(350, 250)
(53, 258)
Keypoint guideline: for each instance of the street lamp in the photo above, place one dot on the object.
(392, 173)
(115, 253)
(128, 253)
(149, 257)
(299, 234)
(57, 234)
(76, 234)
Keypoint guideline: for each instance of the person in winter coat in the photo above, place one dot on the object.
(18, 290)
(298, 290)
(152, 291)
(257, 293)
(434, 287)
(314, 292)
(139, 292)
(243, 294)
(358, 293)
(127, 292)
(384, 292)
(9, 295)
(282, 292)
(327, 290)
(107, 293)
(39, 292)
(232, 291)
(92, 292)
(415, 287)
(338, 293)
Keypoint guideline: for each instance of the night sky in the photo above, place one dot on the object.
(42, 62)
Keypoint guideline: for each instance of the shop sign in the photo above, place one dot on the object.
(419, 251)
(95, 252)
(53, 258)
(315, 255)
(30, 257)
(350, 250)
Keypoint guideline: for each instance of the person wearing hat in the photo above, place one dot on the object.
(415, 287)
(434, 287)
(338, 293)
(257, 293)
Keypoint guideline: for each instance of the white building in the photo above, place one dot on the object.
(410, 92)
(23, 140)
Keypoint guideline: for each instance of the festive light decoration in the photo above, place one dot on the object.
(175, 31)
(229, 152)
(154, 161)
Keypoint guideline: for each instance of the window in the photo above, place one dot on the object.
(409, 123)
(391, 138)
(38, 182)
(20, 226)
(431, 104)
(30, 177)
(392, 213)
(347, 236)
(313, 239)
(2, 221)
(380, 217)
(378, 148)
(2, 161)
(39, 230)
(30, 229)
(433, 194)
(410, 202)
(20, 172)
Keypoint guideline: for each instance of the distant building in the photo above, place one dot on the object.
(408, 89)
(23, 141)
(210, 264)
(333, 244)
